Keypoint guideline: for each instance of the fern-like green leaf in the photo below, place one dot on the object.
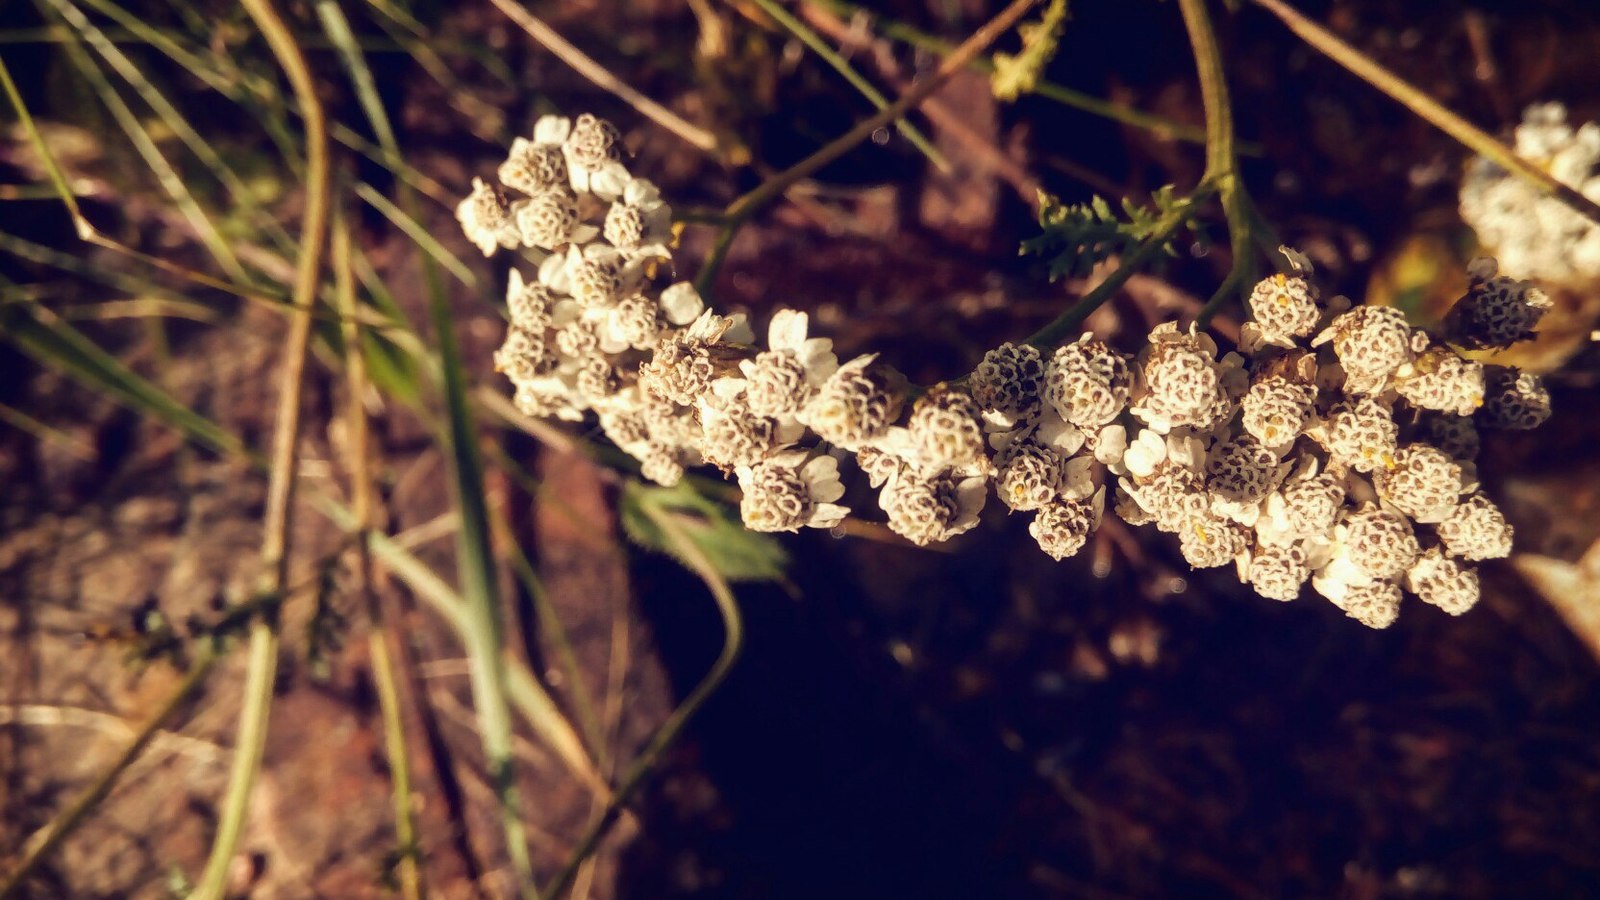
(1076, 237)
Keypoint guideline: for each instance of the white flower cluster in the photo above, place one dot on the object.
(1335, 447)
(1535, 235)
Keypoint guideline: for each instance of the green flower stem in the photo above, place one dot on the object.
(1222, 158)
(1066, 325)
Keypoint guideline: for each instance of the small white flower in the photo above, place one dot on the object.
(639, 224)
(682, 303)
(486, 218)
(1147, 451)
(855, 406)
(552, 130)
(593, 149)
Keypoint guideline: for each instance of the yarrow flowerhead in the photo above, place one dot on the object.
(1182, 382)
(1339, 457)
(1009, 379)
(1087, 383)
(857, 403)
(1496, 311)
(1283, 309)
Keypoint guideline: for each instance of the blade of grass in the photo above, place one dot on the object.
(482, 54)
(1430, 110)
(46, 839)
(485, 119)
(667, 735)
(166, 176)
(251, 742)
(241, 195)
(364, 509)
(67, 262)
(550, 626)
(480, 586)
(45, 433)
(474, 553)
(86, 230)
(138, 308)
(260, 96)
(527, 695)
(811, 39)
(43, 336)
(386, 320)
(415, 230)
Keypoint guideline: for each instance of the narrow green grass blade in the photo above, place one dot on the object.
(493, 61)
(415, 230)
(262, 98)
(338, 30)
(171, 183)
(550, 626)
(480, 585)
(525, 692)
(811, 39)
(67, 262)
(238, 192)
(671, 524)
(54, 343)
(474, 553)
(57, 179)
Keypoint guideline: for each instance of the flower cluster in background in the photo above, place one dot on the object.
(1535, 235)
(1334, 447)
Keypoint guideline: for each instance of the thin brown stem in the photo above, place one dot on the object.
(251, 742)
(1429, 109)
(588, 68)
(772, 188)
(46, 839)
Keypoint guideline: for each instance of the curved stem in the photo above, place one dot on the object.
(263, 657)
(1222, 157)
(733, 627)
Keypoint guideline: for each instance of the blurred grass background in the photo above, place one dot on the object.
(443, 665)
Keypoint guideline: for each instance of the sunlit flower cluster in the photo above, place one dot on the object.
(1336, 447)
(1535, 235)
(1333, 448)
